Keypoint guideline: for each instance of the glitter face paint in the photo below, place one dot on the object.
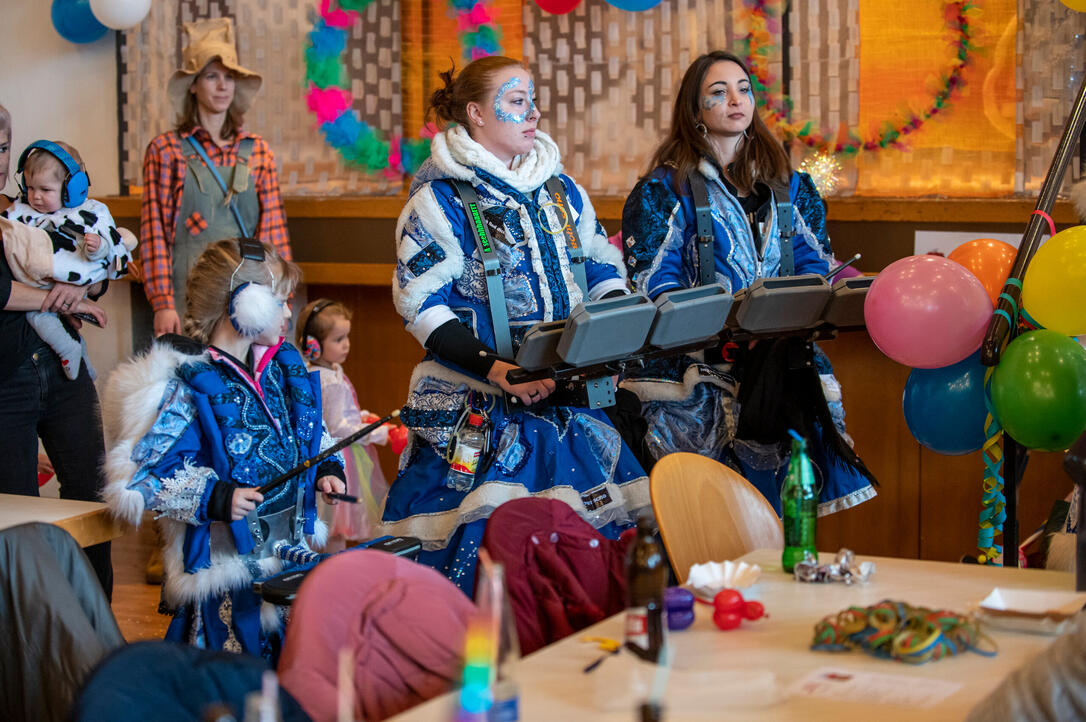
(721, 96)
(504, 115)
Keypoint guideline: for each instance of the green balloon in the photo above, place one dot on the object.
(1039, 390)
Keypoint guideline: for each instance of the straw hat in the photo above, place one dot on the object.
(208, 40)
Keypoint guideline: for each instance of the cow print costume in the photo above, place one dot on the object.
(65, 258)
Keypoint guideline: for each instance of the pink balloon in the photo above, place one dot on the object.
(927, 312)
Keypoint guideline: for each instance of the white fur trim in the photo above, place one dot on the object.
(409, 299)
(596, 245)
(428, 321)
(130, 406)
(270, 620)
(455, 153)
(435, 530)
(1078, 197)
(254, 310)
(1061, 552)
(659, 390)
(602, 288)
(433, 369)
(708, 169)
(226, 571)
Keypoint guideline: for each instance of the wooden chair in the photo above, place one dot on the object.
(709, 512)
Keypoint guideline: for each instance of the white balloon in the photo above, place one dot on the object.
(120, 14)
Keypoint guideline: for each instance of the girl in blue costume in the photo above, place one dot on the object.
(693, 403)
(197, 422)
(549, 449)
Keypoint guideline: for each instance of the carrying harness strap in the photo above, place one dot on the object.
(557, 192)
(787, 225)
(703, 220)
(243, 156)
(492, 266)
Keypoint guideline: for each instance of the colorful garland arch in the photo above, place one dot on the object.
(328, 98)
(764, 17)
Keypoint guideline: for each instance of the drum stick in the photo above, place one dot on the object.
(341, 444)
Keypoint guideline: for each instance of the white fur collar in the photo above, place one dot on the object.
(708, 169)
(455, 153)
(130, 406)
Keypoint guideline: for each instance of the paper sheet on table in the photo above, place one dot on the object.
(853, 685)
(622, 680)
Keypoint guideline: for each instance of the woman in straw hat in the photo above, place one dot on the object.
(185, 207)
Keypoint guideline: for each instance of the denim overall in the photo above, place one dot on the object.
(204, 215)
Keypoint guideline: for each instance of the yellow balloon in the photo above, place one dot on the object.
(1078, 5)
(1054, 288)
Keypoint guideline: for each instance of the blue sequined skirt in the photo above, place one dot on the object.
(571, 454)
(705, 423)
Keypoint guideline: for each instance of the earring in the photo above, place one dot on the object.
(701, 128)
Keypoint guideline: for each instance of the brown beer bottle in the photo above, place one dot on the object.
(646, 578)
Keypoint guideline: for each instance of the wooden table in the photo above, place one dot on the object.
(553, 686)
(88, 521)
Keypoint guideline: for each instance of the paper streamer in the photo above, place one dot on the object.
(763, 19)
(329, 99)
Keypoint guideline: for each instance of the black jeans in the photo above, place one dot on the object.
(37, 400)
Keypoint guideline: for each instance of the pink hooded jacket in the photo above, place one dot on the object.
(404, 622)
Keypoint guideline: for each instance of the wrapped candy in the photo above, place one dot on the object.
(842, 569)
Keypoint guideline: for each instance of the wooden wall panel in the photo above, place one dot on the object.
(950, 500)
(871, 384)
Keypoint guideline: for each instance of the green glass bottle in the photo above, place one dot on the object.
(799, 500)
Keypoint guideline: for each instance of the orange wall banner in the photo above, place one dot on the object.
(906, 51)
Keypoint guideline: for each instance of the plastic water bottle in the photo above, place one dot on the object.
(506, 692)
(646, 579)
(799, 500)
(466, 454)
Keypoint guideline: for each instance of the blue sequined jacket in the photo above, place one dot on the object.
(659, 232)
(439, 275)
(177, 423)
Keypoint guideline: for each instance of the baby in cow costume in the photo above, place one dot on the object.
(86, 246)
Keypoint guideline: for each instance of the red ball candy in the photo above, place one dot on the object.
(726, 620)
(753, 610)
(730, 601)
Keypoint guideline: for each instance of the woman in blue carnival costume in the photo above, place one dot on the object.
(550, 449)
(199, 421)
(693, 403)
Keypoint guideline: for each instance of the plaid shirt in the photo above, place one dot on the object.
(163, 183)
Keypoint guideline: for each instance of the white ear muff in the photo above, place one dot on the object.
(254, 310)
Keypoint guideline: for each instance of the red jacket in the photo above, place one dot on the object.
(562, 574)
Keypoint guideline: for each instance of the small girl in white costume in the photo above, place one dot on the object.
(324, 328)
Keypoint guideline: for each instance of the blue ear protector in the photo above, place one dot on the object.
(73, 191)
(253, 307)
